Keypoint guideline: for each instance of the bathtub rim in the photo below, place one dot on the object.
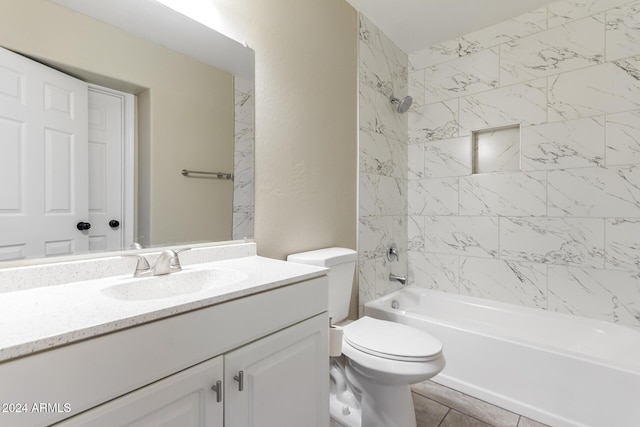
(379, 304)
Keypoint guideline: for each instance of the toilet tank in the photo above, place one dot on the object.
(341, 263)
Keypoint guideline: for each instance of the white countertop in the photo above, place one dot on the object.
(42, 318)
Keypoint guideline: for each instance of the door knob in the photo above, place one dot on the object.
(114, 223)
(82, 226)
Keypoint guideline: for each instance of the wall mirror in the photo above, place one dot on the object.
(182, 98)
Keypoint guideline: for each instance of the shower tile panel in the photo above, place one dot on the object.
(564, 241)
(436, 196)
(623, 32)
(383, 161)
(623, 138)
(569, 47)
(391, 196)
(447, 157)
(244, 92)
(243, 159)
(375, 234)
(609, 295)
(381, 155)
(433, 122)
(242, 225)
(562, 145)
(436, 54)
(569, 75)
(434, 271)
(243, 164)
(612, 87)
(564, 11)
(504, 194)
(383, 66)
(387, 121)
(521, 26)
(375, 71)
(243, 190)
(383, 268)
(415, 233)
(367, 110)
(515, 282)
(463, 76)
(366, 280)
(524, 103)
(622, 249)
(367, 198)
(369, 34)
(595, 192)
(416, 87)
(462, 235)
(395, 124)
(415, 164)
(399, 229)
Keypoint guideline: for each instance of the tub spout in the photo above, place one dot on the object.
(400, 279)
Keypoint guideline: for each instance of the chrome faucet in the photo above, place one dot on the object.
(400, 279)
(168, 262)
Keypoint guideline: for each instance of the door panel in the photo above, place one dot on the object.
(106, 142)
(285, 379)
(43, 116)
(12, 188)
(185, 399)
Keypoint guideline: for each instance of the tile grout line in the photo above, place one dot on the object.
(445, 417)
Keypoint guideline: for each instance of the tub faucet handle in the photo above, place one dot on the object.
(392, 252)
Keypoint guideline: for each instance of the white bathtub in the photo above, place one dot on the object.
(558, 369)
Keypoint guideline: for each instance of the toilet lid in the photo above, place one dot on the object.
(392, 340)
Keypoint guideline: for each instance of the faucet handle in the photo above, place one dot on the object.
(392, 252)
(142, 265)
(174, 260)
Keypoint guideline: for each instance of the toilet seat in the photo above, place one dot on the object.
(391, 340)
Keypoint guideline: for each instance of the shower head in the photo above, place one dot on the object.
(402, 105)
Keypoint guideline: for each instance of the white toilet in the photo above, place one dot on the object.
(371, 387)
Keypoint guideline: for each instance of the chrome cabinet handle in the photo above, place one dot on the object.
(217, 387)
(240, 379)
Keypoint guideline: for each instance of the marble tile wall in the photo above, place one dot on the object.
(563, 232)
(382, 162)
(243, 159)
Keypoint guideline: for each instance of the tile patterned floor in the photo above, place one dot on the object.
(439, 406)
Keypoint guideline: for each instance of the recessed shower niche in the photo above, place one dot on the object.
(496, 150)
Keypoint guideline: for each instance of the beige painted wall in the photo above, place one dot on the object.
(190, 118)
(306, 119)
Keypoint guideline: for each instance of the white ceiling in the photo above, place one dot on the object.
(417, 24)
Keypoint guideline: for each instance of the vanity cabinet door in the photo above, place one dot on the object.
(280, 380)
(185, 399)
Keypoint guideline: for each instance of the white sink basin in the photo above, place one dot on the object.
(172, 285)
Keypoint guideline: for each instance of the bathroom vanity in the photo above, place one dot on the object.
(251, 344)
